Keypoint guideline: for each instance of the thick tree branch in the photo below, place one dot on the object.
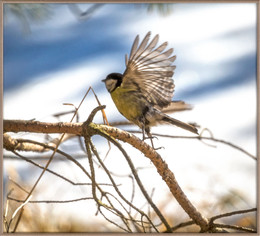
(42, 127)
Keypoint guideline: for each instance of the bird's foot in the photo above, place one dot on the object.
(149, 137)
(158, 148)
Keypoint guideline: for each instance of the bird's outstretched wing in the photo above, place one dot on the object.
(149, 70)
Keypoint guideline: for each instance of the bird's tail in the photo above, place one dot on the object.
(180, 124)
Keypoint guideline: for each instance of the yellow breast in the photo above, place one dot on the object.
(127, 103)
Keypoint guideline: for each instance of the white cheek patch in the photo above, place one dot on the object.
(110, 84)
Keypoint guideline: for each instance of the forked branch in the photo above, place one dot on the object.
(112, 134)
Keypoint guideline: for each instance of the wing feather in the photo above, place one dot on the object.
(150, 70)
(142, 46)
(152, 44)
(134, 48)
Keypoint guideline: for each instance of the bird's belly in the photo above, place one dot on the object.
(128, 104)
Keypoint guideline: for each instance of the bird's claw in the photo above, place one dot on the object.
(158, 148)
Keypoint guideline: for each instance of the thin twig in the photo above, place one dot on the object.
(235, 227)
(232, 213)
(18, 209)
(92, 171)
(114, 184)
(18, 185)
(161, 166)
(138, 180)
(48, 170)
(46, 166)
(201, 137)
(52, 201)
(183, 224)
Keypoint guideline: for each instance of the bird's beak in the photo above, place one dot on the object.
(103, 80)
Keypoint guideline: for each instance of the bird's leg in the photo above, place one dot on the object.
(147, 130)
(151, 138)
(143, 131)
(142, 126)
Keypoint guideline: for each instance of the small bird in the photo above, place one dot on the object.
(146, 87)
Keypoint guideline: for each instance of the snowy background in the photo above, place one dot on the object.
(55, 60)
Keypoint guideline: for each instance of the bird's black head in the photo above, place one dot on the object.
(113, 81)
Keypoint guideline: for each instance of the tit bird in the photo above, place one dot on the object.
(146, 86)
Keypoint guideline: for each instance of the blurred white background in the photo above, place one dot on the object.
(54, 58)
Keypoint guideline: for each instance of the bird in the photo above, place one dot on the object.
(146, 87)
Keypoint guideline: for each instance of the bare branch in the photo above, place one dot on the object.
(162, 167)
(137, 179)
(232, 213)
(87, 130)
(53, 201)
(201, 138)
(76, 129)
(183, 224)
(235, 227)
(42, 127)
